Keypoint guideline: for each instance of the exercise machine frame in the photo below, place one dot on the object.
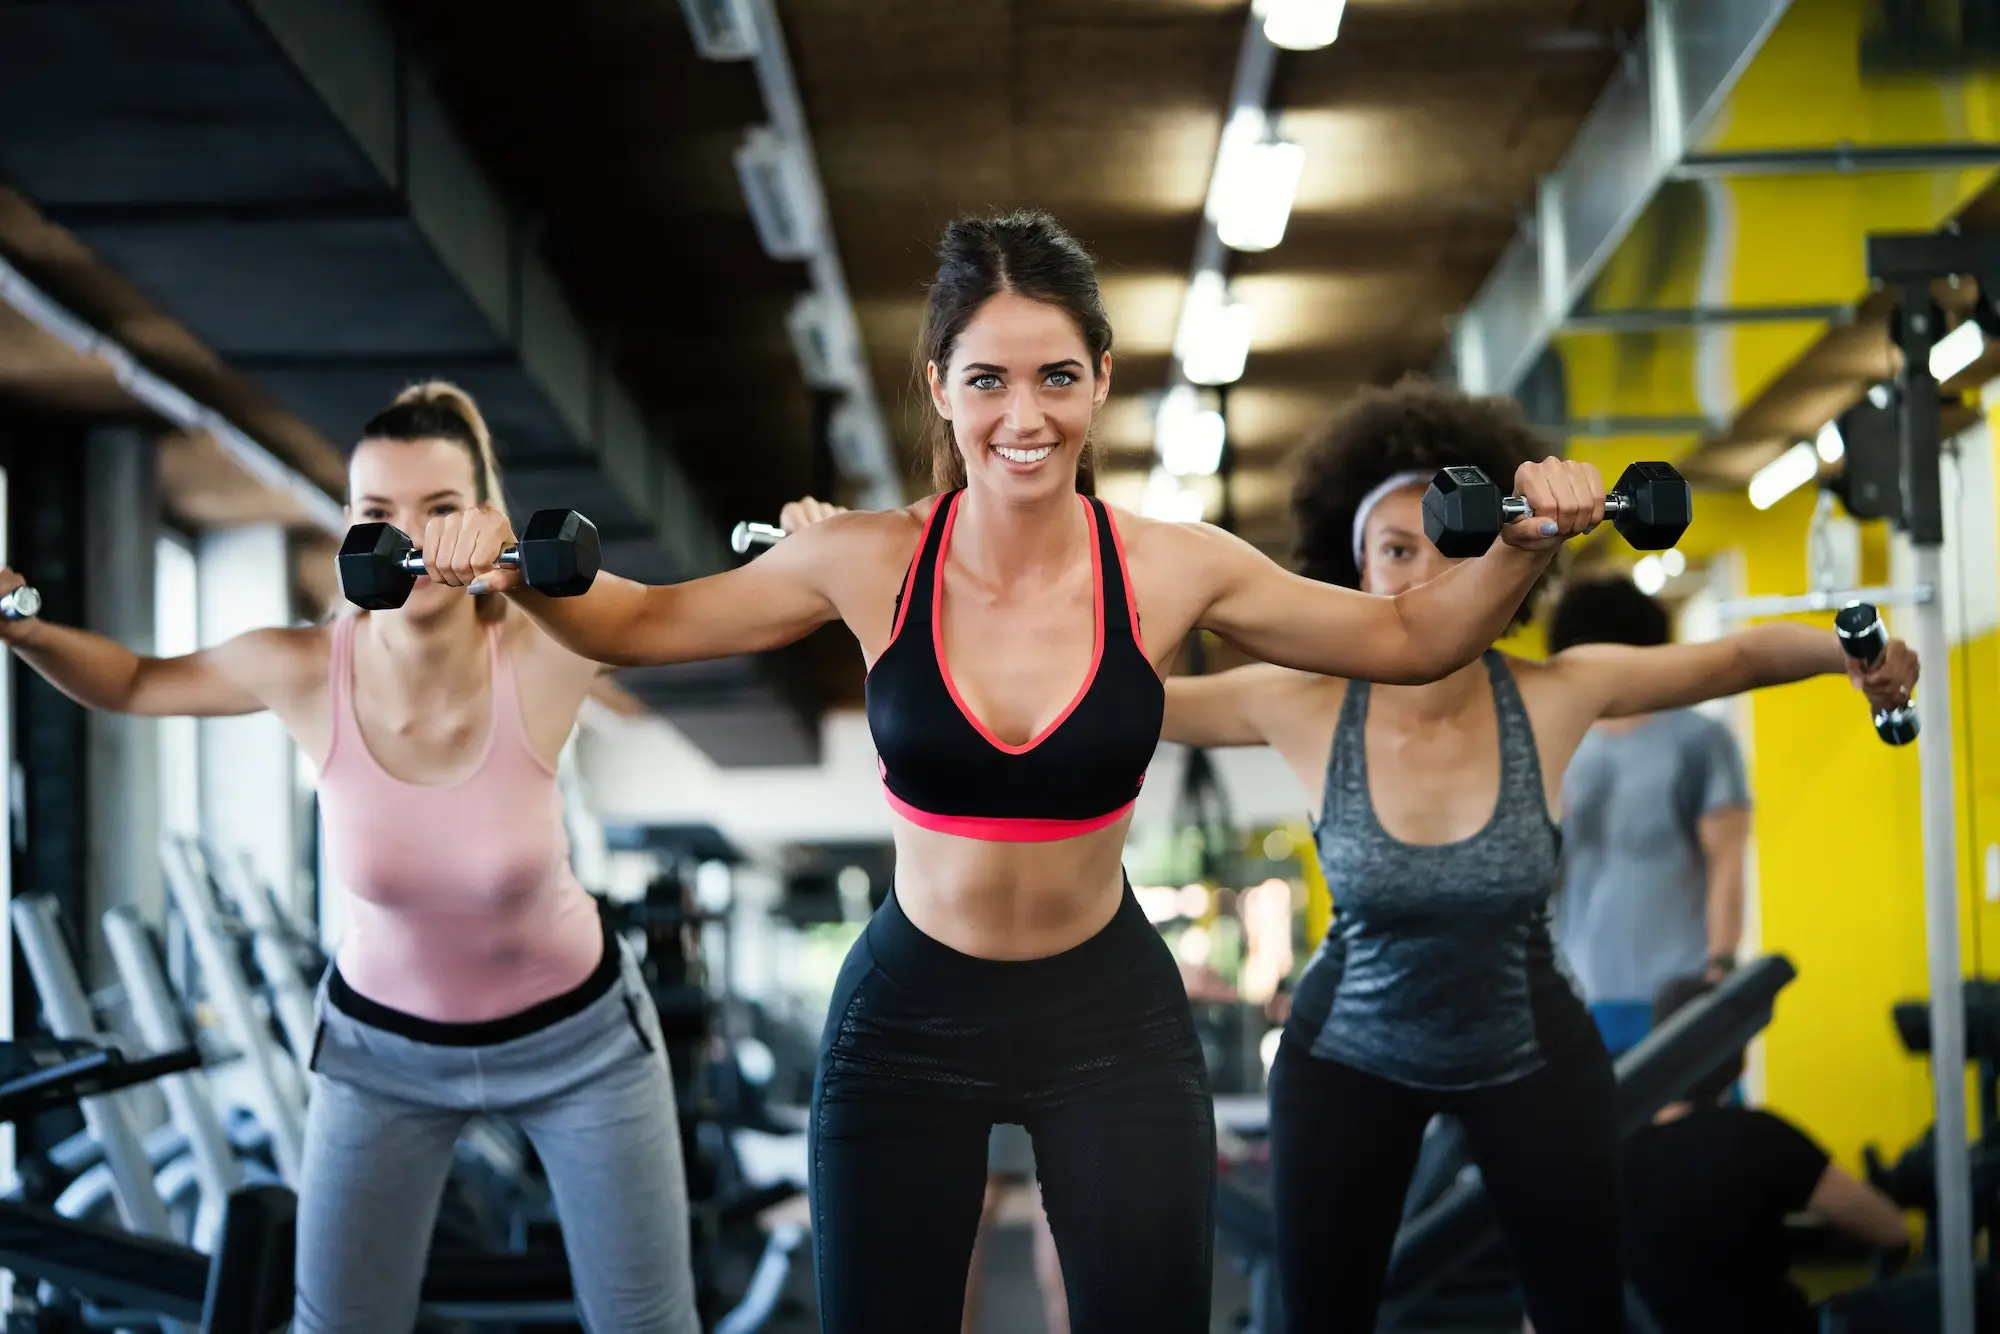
(1912, 262)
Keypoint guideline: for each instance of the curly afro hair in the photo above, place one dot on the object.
(1415, 426)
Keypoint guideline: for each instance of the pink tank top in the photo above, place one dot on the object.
(462, 904)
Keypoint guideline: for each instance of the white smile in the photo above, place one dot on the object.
(1024, 455)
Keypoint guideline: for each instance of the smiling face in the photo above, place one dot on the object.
(406, 483)
(1395, 554)
(1018, 395)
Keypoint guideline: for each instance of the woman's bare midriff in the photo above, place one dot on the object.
(1009, 900)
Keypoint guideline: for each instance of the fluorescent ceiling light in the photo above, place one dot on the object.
(1256, 178)
(1213, 341)
(1673, 563)
(1784, 475)
(1829, 444)
(1301, 25)
(1188, 434)
(1649, 575)
(1168, 499)
(1956, 350)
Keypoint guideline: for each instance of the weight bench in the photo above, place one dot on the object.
(1458, 1228)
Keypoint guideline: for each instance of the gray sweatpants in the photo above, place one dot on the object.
(592, 1092)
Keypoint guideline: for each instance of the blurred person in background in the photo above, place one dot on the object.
(1656, 822)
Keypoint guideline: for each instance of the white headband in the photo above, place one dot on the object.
(1374, 498)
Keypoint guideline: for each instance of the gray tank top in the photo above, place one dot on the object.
(1438, 970)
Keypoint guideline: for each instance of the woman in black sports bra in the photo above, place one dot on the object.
(1016, 629)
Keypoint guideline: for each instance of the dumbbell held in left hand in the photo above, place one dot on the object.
(24, 603)
(558, 556)
(747, 534)
(1651, 506)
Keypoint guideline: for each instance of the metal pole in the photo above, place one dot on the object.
(1923, 519)
(1940, 838)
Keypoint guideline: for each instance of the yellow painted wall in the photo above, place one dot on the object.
(1840, 869)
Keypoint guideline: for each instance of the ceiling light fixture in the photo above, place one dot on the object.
(1188, 433)
(722, 29)
(1649, 576)
(1784, 475)
(779, 193)
(1957, 350)
(1171, 501)
(1213, 340)
(1301, 25)
(1256, 179)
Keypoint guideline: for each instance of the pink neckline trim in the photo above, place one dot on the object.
(1097, 637)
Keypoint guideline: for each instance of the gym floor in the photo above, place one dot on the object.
(1012, 1305)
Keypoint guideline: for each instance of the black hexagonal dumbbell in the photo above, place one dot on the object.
(1464, 511)
(557, 555)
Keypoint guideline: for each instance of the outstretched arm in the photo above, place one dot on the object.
(1418, 635)
(779, 598)
(775, 600)
(1229, 708)
(1617, 680)
(99, 673)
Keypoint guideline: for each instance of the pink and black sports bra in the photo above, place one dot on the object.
(943, 769)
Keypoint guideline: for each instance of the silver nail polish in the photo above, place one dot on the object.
(477, 588)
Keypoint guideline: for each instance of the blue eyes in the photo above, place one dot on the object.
(1056, 380)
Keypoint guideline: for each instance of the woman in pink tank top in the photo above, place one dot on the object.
(476, 976)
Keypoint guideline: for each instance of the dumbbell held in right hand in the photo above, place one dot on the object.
(558, 556)
(1652, 505)
(1863, 636)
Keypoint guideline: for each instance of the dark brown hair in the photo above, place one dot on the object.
(1607, 609)
(1417, 426)
(1026, 253)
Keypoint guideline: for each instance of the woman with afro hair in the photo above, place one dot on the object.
(1437, 989)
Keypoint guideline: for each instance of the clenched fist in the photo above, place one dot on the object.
(1565, 499)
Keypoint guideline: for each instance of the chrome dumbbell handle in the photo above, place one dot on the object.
(412, 562)
(21, 604)
(746, 535)
(1513, 508)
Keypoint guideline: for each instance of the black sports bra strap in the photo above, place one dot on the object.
(920, 588)
(1117, 598)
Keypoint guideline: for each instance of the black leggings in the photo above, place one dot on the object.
(1092, 1050)
(1343, 1146)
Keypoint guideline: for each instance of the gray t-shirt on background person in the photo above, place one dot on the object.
(1633, 908)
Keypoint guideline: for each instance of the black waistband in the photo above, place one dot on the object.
(484, 1032)
(914, 959)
